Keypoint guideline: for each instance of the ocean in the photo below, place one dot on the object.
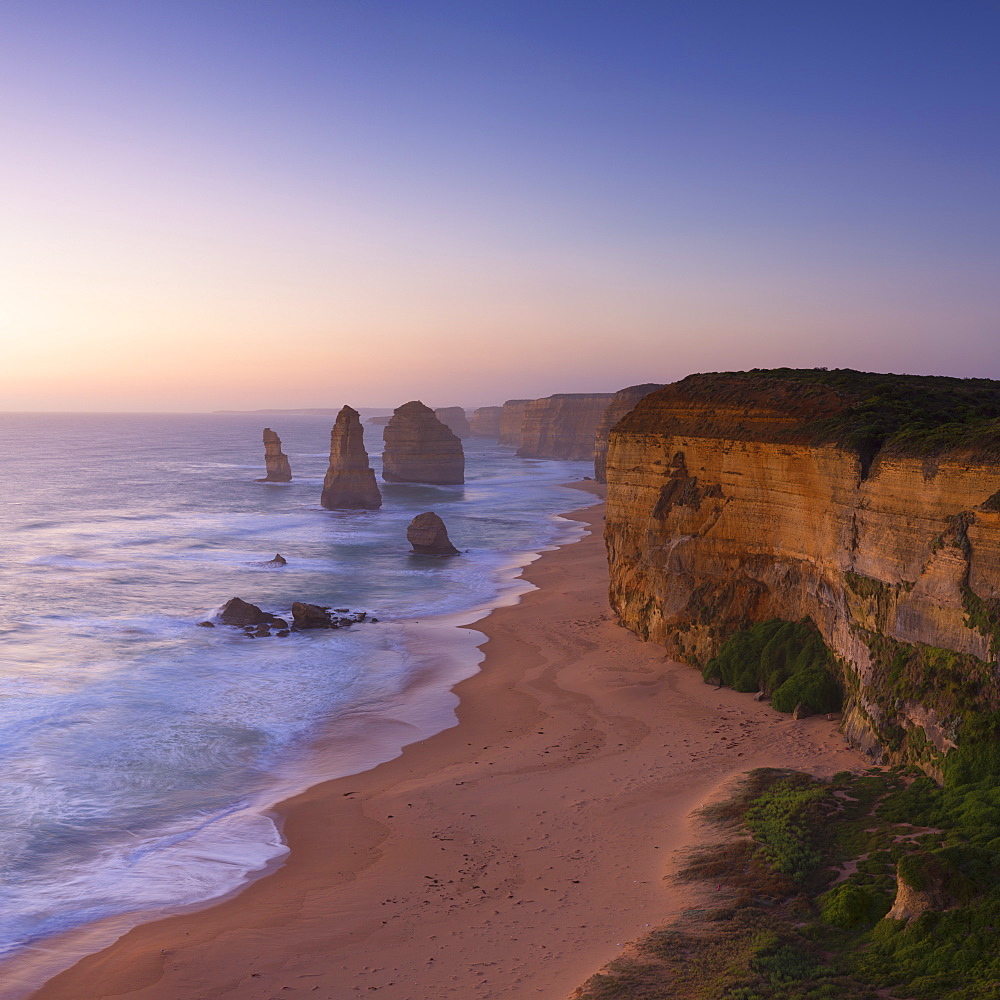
(140, 753)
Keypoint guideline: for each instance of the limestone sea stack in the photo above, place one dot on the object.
(486, 422)
(454, 418)
(276, 461)
(350, 482)
(621, 403)
(429, 537)
(420, 449)
(511, 419)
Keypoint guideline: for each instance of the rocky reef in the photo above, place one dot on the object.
(454, 418)
(869, 504)
(350, 482)
(275, 460)
(563, 426)
(420, 449)
(429, 537)
(621, 403)
(511, 420)
(486, 422)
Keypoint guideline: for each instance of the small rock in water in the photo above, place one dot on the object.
(238, 612)
(428, 536)
(282, 632)
(206, 624)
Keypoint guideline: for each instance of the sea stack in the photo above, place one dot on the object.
(420, 449)
(350, 482)
(429, 537)
(486, 422)
(454, 418)
(276, 461)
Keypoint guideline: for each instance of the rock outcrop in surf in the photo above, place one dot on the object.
(486, 422)
(420, 449)
(350, 482)
(454, 418)
(429, 536)
(275, 460)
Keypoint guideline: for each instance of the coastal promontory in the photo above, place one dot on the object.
(562, 426)
(421, 449)
(861, 509)
(350, 482)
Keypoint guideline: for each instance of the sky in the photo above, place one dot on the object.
(210, 204)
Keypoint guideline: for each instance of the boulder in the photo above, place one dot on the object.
(242, 614)
(275, 460)
(802, 711)
(350, 482)
(420, 449)
(454, 418)
(429, 537)
(307, 616)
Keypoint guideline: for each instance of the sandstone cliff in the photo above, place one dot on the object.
(420, 449)
(275, 460)
(621, 403)
(350, 482)
(870, 504)
(562, 426)
(511, 419)
(454, 418)
(486, 422)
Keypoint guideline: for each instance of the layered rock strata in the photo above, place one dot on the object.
(563, 426)
(429, 536)
(862, 502)
(275, 460)
(454, 418)
(621, 403)
(511, 421)
(350, 482)
(486, 422)
(420, 449)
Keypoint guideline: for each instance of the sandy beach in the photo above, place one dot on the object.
(509, 856)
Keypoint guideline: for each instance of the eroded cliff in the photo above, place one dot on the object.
(562, 426)
(870, 504)
(511, 421)
(486, 421)
(622, 402)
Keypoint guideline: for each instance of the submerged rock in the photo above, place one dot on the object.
(350, 482)
(420, 449)
(429, 537)
(276, 461)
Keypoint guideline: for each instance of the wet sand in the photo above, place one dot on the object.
(510, 856)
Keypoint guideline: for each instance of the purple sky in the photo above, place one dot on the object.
(229, 203)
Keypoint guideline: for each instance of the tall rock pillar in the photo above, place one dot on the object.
(275, 460)
(350, 482)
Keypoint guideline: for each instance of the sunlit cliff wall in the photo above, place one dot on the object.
(725, 510)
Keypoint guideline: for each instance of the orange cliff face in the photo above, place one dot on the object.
(562, 426)
(486, 421)
(724, 510)
(511, 421)
(622, 403)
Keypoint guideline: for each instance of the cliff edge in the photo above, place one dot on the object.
(867, 503)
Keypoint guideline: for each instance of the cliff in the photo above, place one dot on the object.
(511, 419)
(275, 460)
(870, 504)
(486, 422)
(420, 449)
(454, 418)
(350, 482)
(562, 426)
(621, 403)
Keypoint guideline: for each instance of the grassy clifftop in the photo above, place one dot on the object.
(919, 415)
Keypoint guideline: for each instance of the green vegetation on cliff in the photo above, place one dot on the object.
(787, 660)
(798, 894)
(922, 415)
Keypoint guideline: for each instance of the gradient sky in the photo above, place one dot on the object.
(251, 203)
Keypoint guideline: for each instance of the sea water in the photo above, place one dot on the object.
(139, 752)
